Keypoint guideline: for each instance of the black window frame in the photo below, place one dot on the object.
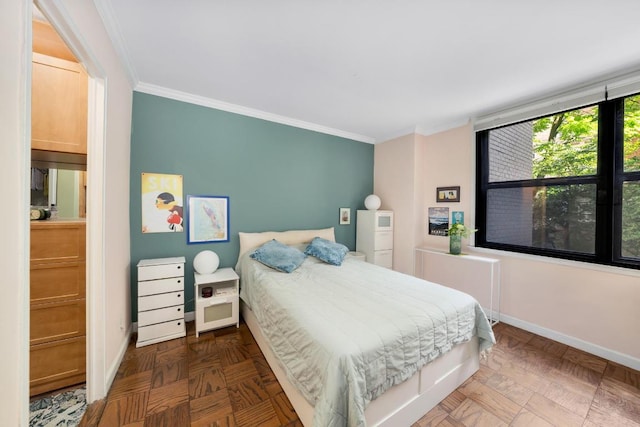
(608, 179)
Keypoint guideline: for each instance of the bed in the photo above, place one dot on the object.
(357, 344)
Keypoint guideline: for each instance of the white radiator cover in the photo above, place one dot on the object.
(475, 275)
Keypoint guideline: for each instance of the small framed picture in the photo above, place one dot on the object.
(208, 219)
(457, 217)
(448, 194)
(345, 216)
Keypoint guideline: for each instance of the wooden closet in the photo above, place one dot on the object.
(58, 246)
(58, 305)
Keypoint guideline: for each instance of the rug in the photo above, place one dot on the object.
(63, 409)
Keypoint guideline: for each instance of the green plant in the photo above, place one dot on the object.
(459, 229)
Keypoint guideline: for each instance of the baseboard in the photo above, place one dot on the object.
(113, 369)
(614, 356)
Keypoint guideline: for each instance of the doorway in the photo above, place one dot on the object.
(59, 19)
(59, 110)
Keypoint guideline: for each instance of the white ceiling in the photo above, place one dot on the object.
(372, 70)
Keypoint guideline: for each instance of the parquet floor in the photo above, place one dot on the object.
(222, 379)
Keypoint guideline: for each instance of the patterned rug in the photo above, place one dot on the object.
(62, 409)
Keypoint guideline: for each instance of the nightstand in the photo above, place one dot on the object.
(217, 300)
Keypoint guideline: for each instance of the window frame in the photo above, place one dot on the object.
(609, 179)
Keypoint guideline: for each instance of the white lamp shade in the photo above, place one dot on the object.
(206, 262)
(372, 202)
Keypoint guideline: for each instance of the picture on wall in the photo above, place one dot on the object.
(162, 208)
(448, 194)
(208, 219)
(438, 221)
(457, 217)
(345, 216)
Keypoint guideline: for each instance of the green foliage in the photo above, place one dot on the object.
(459, 229)
(566, 145)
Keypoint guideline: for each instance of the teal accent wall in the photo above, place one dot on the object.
(277, 177)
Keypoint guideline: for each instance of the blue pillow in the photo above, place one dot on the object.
(330, 252)
(278, 256)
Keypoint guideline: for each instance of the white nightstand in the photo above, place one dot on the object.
(222, 307)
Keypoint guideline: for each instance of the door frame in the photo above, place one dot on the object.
(58, 17)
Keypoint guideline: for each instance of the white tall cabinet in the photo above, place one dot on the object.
(375, 236)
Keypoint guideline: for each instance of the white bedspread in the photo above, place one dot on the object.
(344, 335)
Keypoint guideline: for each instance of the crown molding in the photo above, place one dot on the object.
(105, 10)
(246, 111)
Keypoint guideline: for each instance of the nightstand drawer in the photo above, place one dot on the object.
(160, 301)
(152, 272)
(160, 286)
(166, 329)
(160, 315)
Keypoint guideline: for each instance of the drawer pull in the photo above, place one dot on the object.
(178, 295)
(179, 308)
(179, 267)
(178, 280)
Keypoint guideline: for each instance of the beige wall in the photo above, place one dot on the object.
(114, 292)
(447, 161)
(15, 48)
(394, 182)
(591, 307)
(15, 51)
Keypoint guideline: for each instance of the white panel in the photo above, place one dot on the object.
(159, 301)
(160, 271)
(160, 315)
(624, 87)
(160, 286)
(383, 258)
(542, 107)
(384, 240)
(161, 330)
(474, 275)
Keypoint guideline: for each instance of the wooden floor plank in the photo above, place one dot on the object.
(222, 379)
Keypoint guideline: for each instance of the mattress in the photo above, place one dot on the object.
(346, 334)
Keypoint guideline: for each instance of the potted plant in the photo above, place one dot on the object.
(456, 232)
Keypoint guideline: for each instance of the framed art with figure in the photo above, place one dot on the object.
(161, 203)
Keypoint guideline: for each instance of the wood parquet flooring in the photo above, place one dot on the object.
(222, 379)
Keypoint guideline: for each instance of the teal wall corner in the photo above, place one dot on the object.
(277, 177)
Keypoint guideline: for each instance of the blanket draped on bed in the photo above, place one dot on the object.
(346, 334)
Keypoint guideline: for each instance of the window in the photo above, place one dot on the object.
(564, 185)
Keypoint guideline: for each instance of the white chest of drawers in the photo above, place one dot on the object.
(374, 236)
(160, 300)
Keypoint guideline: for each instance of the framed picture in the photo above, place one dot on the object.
(457, 217)
(345, 216)
(208, 219)
(161, 203)
(448, 194)
(438, 221)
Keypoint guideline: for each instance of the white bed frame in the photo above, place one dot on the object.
(401, 405)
